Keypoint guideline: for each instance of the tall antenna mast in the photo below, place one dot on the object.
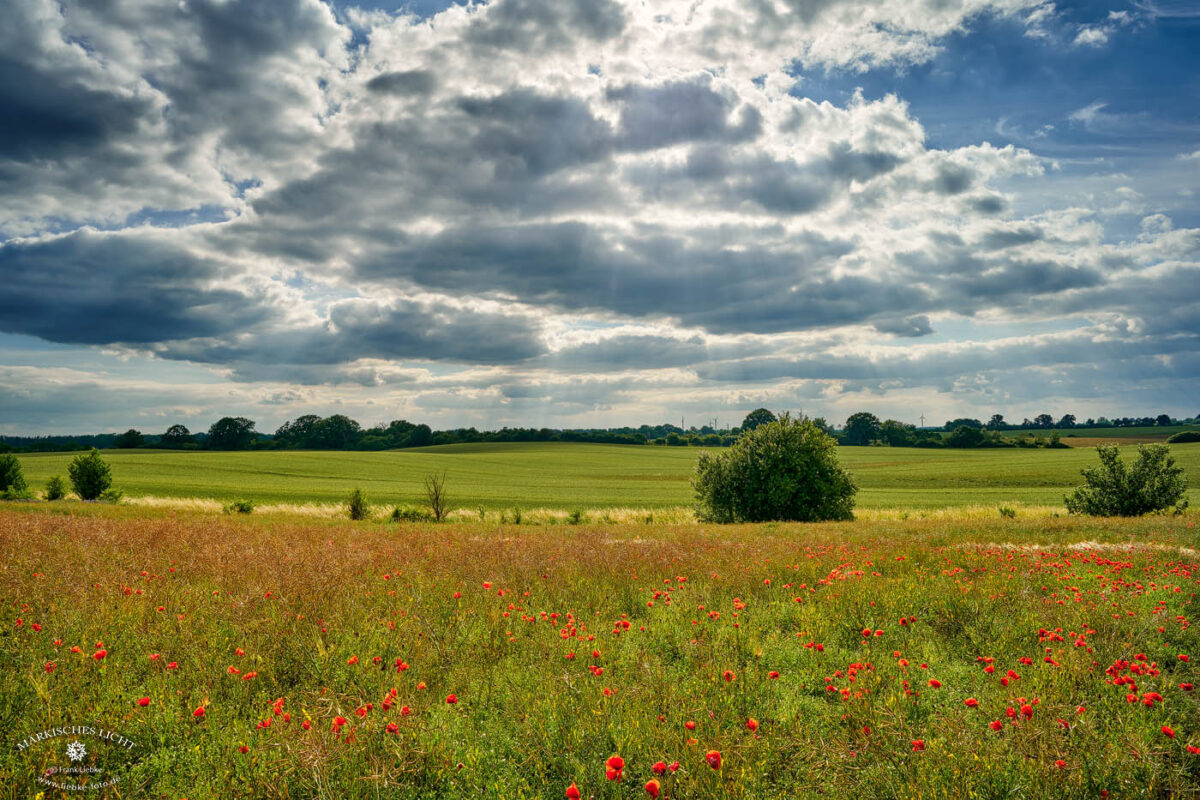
(922, 420)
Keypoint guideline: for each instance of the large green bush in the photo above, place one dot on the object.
(11, 478)
(90, 475)
(782, 470)
(1185, 437)
(1112, 489)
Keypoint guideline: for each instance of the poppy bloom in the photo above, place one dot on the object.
(573, 792)
(713, 757)
(773, 675)
(99, 654)
(199, 713)
(1060, 764)
(1191, 748)
(451, 699)
(752, 724)
(614, 767)
(971, 702)
(143, 702)
(690, 725)
(652, 787)
(338, 723)
(659, 767)
(306, 725)
(728, 675)
(996, 725)
(1169, 731)
(393, 727)
(243, 749)
(935, 683)
(918, 745)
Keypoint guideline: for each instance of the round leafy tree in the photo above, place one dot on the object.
(783, 470)
(90, 475)
(759, 416)
(11, 477)
(1113, 489)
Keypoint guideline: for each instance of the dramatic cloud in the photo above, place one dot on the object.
(579, 212)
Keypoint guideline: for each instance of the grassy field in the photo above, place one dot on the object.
(271, 657)
(568, 476)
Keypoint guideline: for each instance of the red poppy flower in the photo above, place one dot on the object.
(752, 724)
(1169, 731)
(99, 654)
(143, 701)
(996, 725)
(613, 768)
(713, 758)
(971, 702)
(573, 792)
(199, 713)
(659, 767)
(393, 727)
(773, 675)
(243, 749)
(451, 699)
(1060, 764)
(652, 787)
(728, 675)
(918, 745)
(935, 683)
(690, 725)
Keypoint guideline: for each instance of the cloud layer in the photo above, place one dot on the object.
(559, 211)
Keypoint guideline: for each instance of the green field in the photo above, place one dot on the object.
(568, 476)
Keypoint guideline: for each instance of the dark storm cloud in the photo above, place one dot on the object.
(401, 330)
(526, 134)
(408, 82)
(47, 116)
(94, 288)
(773, 287)
(908, 327)
(542, 25)
(680, 111)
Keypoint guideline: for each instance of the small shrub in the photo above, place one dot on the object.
(1185, 437)
(56, 488)
(575, 517)
(1007, 512)
(239, 507)
(781, 470)
(90, 475)
(1154, 483)
(11, 476)
(113, 496)
(357, 505)
(516, 515)
(482, 513)
(435, 495)
(410, 514)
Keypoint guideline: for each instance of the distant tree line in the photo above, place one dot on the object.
(339, 432)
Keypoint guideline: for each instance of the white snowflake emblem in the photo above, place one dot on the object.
(76, 751)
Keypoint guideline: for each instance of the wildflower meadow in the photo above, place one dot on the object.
(274, 656)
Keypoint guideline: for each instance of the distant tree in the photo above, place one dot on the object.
(90, 475)
(759, 416)
(1154, 483)
(961, 421)
(1043, 421)
(420, 436)
(1184, 437)
(299, 432)
(997, 423)
(435, 495)
(1067, 421)
(129, 440)
(675, 440)
(1162, 419)
(176, 436)
(897, 434)
(783, 470)
(965, 436)
(357, 505)
(338, 432)
(56, 488)
(12, 479)
(231, 433)
(861, 429)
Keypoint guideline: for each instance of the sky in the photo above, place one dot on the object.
(594, 213)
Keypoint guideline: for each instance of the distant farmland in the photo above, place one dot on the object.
(567, 476)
